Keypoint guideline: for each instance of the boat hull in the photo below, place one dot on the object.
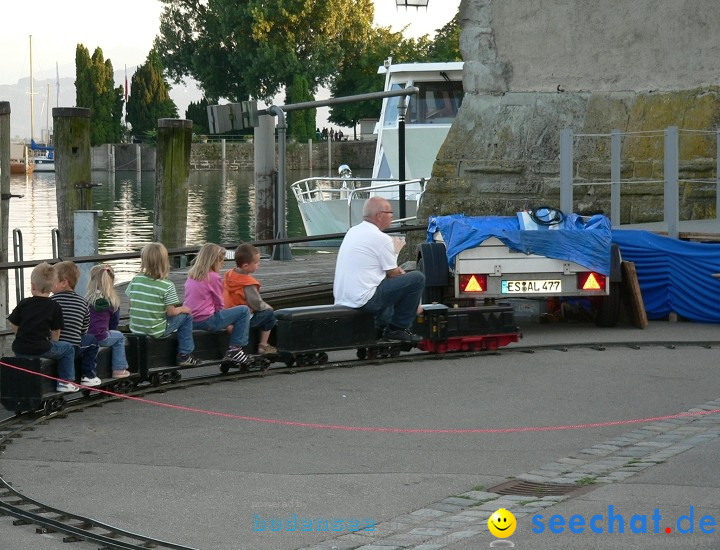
(328, 217)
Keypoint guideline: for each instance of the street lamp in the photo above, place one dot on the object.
(412, 3)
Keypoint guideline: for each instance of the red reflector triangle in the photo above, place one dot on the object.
(591, 283)
(473, 285)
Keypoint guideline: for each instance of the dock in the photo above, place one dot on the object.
(305, 280)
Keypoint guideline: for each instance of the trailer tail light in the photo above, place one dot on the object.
(473, 283)
(589, 280)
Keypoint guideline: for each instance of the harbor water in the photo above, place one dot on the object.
(220, 210)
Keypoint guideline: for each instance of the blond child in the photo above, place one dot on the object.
(204, 297)
(241, 288)
(155, 309)
(37, 321)
(104, 304)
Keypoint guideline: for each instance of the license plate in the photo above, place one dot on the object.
(534, 286)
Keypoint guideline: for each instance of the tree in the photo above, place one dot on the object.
(94, 89)
(149, 96)
(301, 124)
(446, 44)
(254, 48)
(197, 112)
(359, 72)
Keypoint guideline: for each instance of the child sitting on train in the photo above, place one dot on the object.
(76, 319)
(241, 288)
(36, 322)
(155, 309)
(104, 306)
(204, 297)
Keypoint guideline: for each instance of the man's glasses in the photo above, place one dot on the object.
(386, 211)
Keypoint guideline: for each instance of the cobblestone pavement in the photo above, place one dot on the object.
(441, 524)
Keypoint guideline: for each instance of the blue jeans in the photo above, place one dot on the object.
(396, 300)
(65, 355)
(263, 320)
(87, 353)
(238, 317)
(183, 324)
(116, 341)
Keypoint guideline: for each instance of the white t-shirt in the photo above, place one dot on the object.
(365, 254)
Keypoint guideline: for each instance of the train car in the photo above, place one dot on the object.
(303, 336)
(28, 383)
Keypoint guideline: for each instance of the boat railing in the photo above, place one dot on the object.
(319, 188)
(364, 192)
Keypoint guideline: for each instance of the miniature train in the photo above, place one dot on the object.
(303, 337)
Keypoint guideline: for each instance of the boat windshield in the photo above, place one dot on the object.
(435, 103)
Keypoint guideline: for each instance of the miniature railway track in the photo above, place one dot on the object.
(77, 528)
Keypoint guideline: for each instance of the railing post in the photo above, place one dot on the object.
(671, 167)
(615, 151)
(566, 170)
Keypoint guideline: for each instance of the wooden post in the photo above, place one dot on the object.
(73, 170)
(264, 158)
(4, 205)
(172, 173)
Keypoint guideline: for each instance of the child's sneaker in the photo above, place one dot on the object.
(94, 381)
(237, 356)
(187, 361)
(67, 387)
(121, 373)
(265, 349)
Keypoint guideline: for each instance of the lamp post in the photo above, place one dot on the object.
(402, 109)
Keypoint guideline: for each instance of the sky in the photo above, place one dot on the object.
(124, 31)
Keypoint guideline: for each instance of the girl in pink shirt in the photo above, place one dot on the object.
(204, 297)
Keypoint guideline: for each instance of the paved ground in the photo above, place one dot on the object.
(209, 481)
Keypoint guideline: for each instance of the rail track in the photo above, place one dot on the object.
(96, 534)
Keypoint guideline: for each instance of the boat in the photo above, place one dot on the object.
(20, 160)
(333, 204)
(45, 161)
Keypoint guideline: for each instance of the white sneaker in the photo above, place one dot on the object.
(85, 381)
(67, 387)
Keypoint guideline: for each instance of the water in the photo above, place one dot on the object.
(220, 210)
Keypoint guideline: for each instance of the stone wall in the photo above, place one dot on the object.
(534, 68)
(239, 156)
(356, 154)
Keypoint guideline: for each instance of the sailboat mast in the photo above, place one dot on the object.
(32, 96)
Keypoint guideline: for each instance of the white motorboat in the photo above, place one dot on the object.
(331, 205)
(44, 162)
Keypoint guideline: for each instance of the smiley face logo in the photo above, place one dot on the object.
(502, 523)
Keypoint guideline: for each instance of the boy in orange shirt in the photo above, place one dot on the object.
(240, 288)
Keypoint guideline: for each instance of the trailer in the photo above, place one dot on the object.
(493, 258)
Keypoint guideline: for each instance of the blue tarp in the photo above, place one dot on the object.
(674, 275)
(586, 243)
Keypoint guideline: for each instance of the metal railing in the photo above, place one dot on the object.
(671, 171)
(318, 189)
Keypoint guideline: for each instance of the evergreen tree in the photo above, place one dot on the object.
(301, 124)
(149, 96)
(197, 112)
(94, 89)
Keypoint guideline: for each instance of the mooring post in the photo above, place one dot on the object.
(264, 159)
(671, 169)
(4, 205)
(172, 181)
(73, 170)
